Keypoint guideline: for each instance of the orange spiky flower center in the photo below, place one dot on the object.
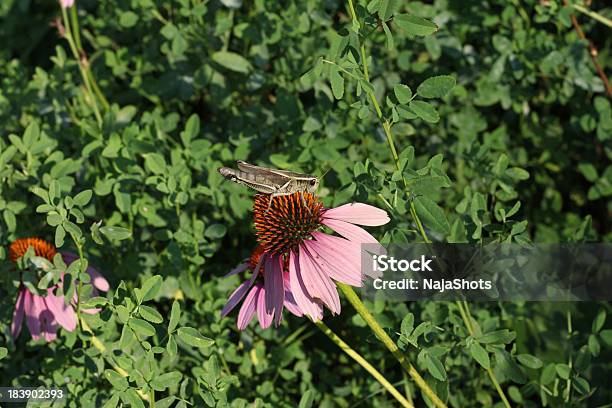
(287, 222)
(41, 248)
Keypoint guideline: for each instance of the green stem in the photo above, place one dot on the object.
(593, 15)
(80, 285)
(82, 69)
(464, 311)
(390, 344)
(388, 133)
(75, 27)
(365, 364)
(152, 398)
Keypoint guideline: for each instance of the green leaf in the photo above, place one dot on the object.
(193, 337)
(431, 214)
(155, 163)
(563, 370)
(141, 327)
(117, 233)
(435, 367)
(149, 289)
(425, 111)
(529, 361)
(82, 199)
(517, 173)
(307, 399)
(128, 19)
(3, 352)
(150, 314)
(175, 316)
(436, 87)
(131, 397)
(215, 231)
(117, 381)
(504, 336)
(31, 134)
(508, 367)
(168, 380)
(407, 325)
(599, 321)
(232, 61)
(192, 128)
(60, 234)
(415, 25)
(480, 355)
(112, 402)
(387, 8)
(337, 82)
(403, 93)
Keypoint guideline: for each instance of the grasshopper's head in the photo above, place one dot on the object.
(312, 186)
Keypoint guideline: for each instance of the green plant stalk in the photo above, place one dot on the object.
(76, 33)
(80, 285)
(82, 69)
(390, 344)
(594, 15)
(75, 27)
(387, 129)
(464, 311)
(364, 363)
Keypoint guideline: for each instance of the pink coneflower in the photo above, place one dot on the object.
(44, 313)
(66, 3)
(267, 302)
(299, 258)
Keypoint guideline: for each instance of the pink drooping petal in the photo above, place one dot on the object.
(30, 306)
(350, 231)
(290, 302)
(305, 302)
(239, 293)
(358, 213)
(236, 297)
(340, 258)
(64, 314)
(239, 269)
(97, 280)
(48, 324)
(275, 290)
(318, 284)
(248, 308)
(18, 313)
(265, 316)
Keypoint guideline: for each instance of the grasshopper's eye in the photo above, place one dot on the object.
(313, 182)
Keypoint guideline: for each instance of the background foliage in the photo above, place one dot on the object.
(517, 151)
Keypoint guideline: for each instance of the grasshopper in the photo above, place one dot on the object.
(270, 181)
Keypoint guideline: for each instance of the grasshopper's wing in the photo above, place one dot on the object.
(247, 167)
(261, 187)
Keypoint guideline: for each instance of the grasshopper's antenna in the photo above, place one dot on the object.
(325, 172)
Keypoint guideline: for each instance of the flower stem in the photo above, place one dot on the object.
(364, 363)
(387, 129)
(390, 344)
(594, 15)
(464, 311)
(82, 68)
